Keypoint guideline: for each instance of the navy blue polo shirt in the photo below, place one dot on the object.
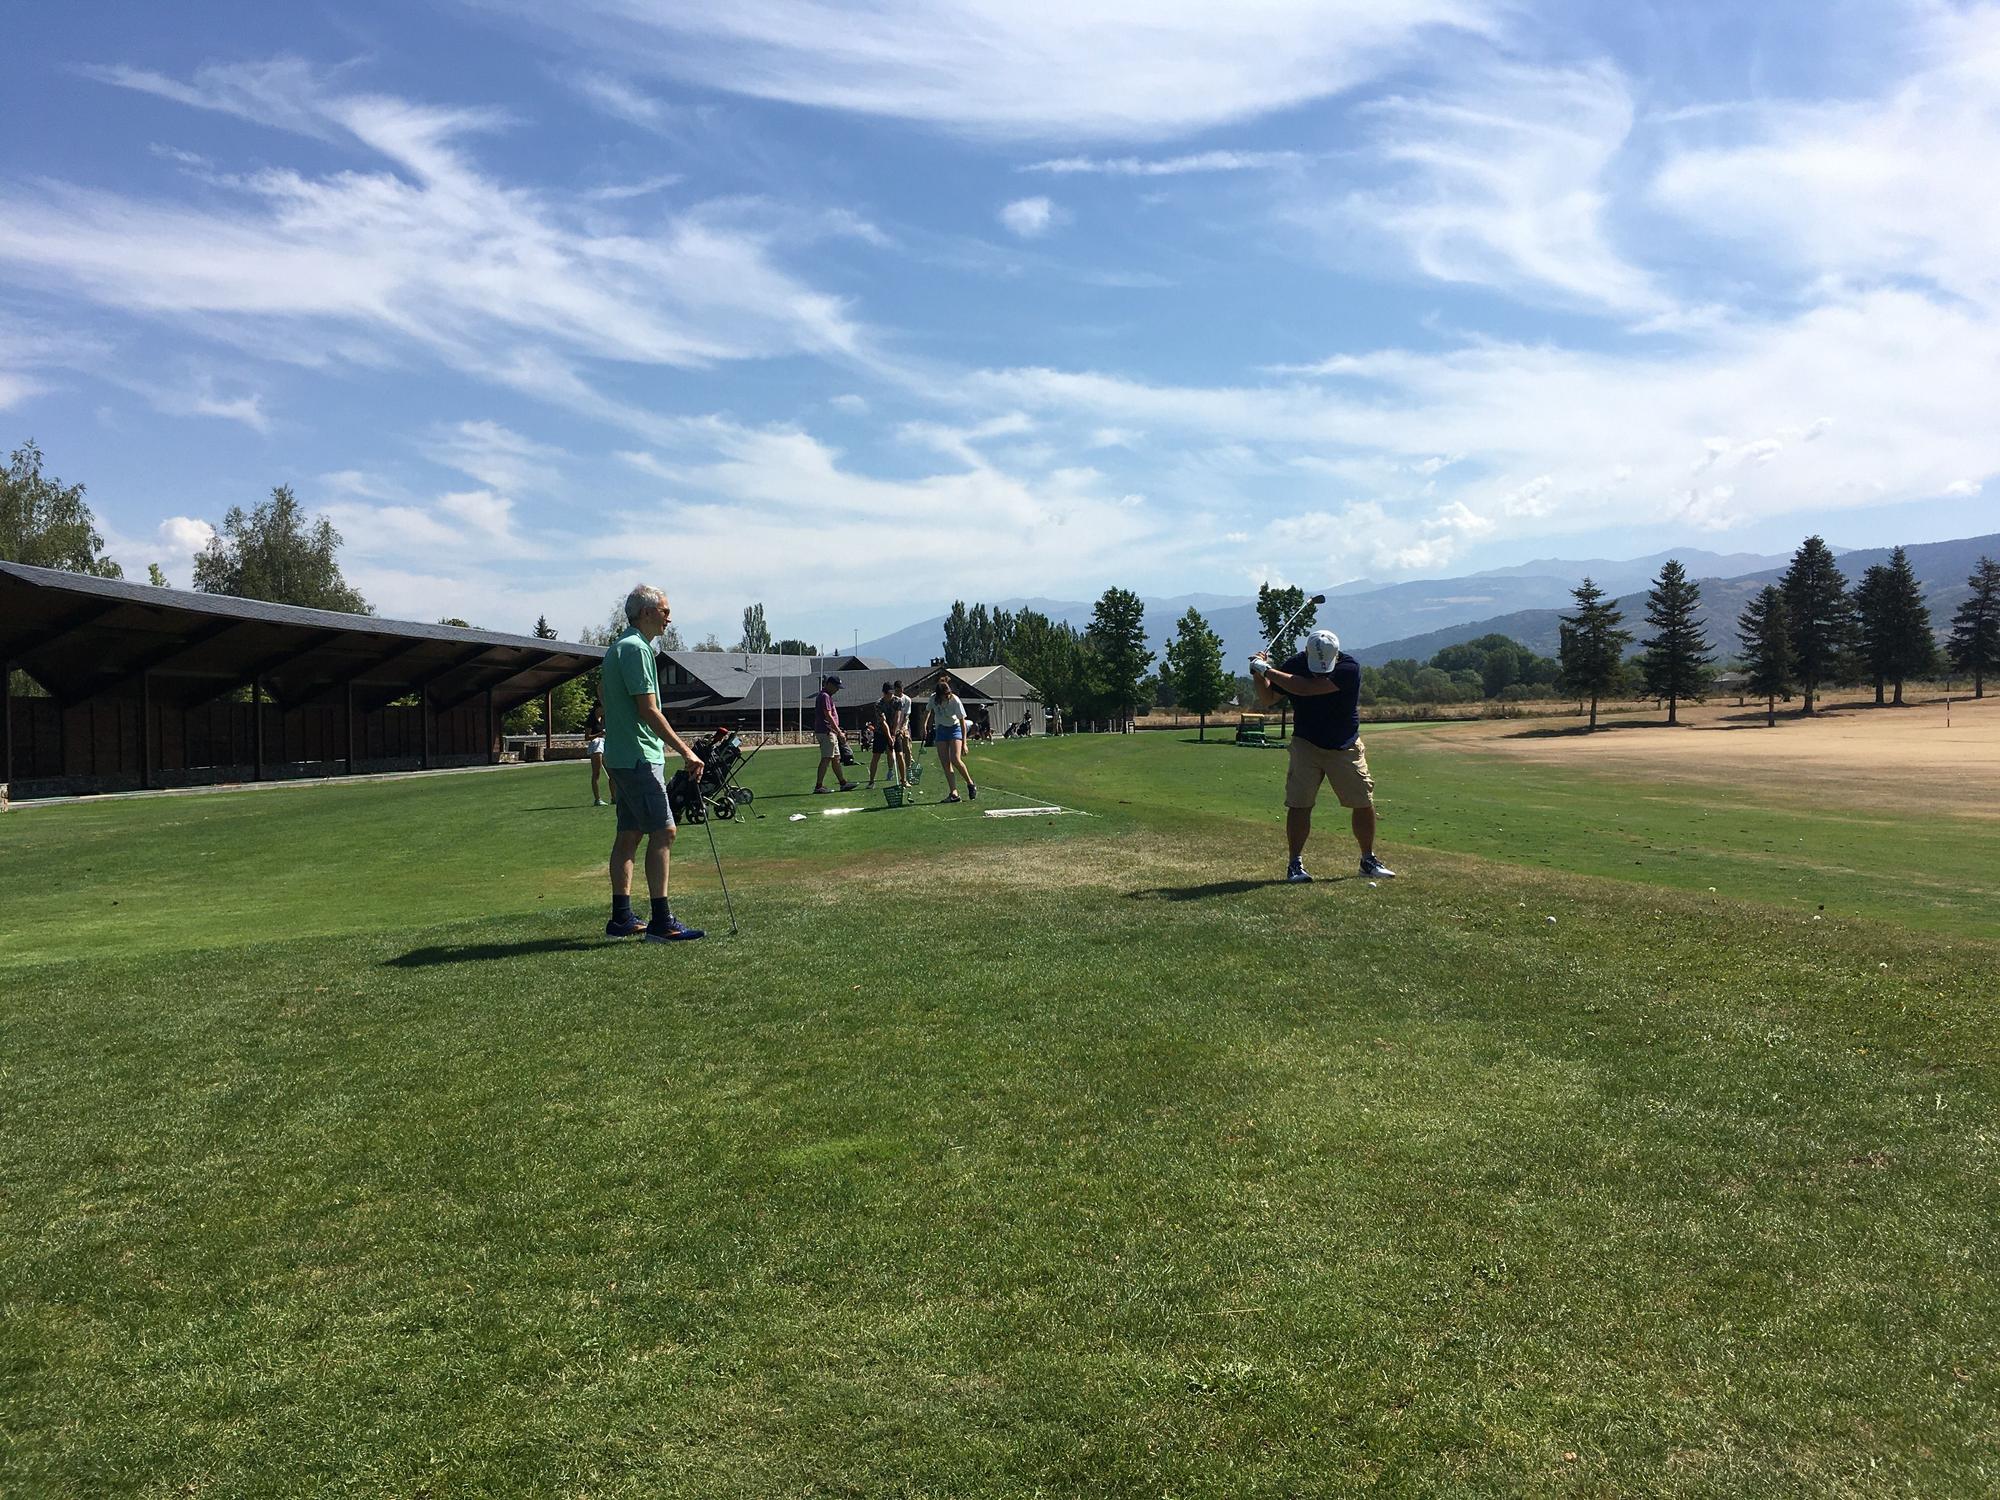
(1332, 720)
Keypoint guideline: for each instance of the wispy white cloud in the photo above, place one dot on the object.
(1026, 71)
(1884, 189)
(497, 457)
(1866, 400)
(645, 187)
(1502, 178)
(1170, 166)
(620, 100)
(740, 497)
(1030, 218)
(432, 253)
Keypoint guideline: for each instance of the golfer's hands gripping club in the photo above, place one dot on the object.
(1259, 664)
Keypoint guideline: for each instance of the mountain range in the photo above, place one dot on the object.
(1379, 622)
(1941, 568)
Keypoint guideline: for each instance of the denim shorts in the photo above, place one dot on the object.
(640, 795)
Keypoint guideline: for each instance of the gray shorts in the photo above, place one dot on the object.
(640, 795)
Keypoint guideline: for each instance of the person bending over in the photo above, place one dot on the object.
(1324, 684)
(882, 720)
(636, 735)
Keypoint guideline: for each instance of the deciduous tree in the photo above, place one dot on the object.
(756, 632)
(274, 553)
(1117, 635)
(45, 523)
(1194, 668)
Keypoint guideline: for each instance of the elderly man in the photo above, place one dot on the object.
(1324, 684)
(826, 726)
(636, 735)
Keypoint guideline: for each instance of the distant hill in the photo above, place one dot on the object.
(1941, 568)
(1363, 612)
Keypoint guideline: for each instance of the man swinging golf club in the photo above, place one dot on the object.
(636, 735)
(1324, 685)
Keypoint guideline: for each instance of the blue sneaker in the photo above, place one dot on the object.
(1295, 872)
(674, 930)
(629, 925)
(1374, 869)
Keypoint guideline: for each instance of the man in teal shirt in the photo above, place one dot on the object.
(636, 735)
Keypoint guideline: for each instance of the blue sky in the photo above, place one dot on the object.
(857, 309)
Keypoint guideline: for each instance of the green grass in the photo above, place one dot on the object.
(1061, 1155)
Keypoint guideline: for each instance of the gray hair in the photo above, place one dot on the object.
(642, 597)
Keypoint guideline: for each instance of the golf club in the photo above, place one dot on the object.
(729, 905)
(1285, 630)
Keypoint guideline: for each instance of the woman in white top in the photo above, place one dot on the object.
(948, 723)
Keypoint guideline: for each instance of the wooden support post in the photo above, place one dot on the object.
(7, 723)
(257, 725)
(146, 731)
(424, 722)
(347, 720)
(548, 722)
(492, 749)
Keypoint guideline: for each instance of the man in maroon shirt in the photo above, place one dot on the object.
(826, 724)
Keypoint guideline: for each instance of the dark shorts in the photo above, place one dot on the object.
(640, 795)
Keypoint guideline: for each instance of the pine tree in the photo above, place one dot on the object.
(544, 631)
(1820, 616)
(1767, 649)
(1975, 629)
(1593, 645)
(1193, 668)
(1895, 626)
(1677, 657)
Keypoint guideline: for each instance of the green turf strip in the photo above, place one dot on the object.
(995, 1157)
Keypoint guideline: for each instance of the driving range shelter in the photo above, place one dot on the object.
(152, 687)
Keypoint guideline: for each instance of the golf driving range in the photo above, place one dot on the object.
(1053, 1152)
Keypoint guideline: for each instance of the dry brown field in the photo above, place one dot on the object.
(1921, 757)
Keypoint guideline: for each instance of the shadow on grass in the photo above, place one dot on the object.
(1583, 731)
(473, 953)
(1217, 888)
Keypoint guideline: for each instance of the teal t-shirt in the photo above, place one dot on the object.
(629, 671)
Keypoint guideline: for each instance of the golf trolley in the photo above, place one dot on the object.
(718, 794)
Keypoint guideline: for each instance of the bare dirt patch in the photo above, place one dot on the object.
(1892, 758)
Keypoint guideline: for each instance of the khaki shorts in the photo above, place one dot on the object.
(1346, 769)
(829, 746)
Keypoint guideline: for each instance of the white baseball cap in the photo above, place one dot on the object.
(1322, 651)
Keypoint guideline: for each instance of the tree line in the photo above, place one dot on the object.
(1807, 632)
